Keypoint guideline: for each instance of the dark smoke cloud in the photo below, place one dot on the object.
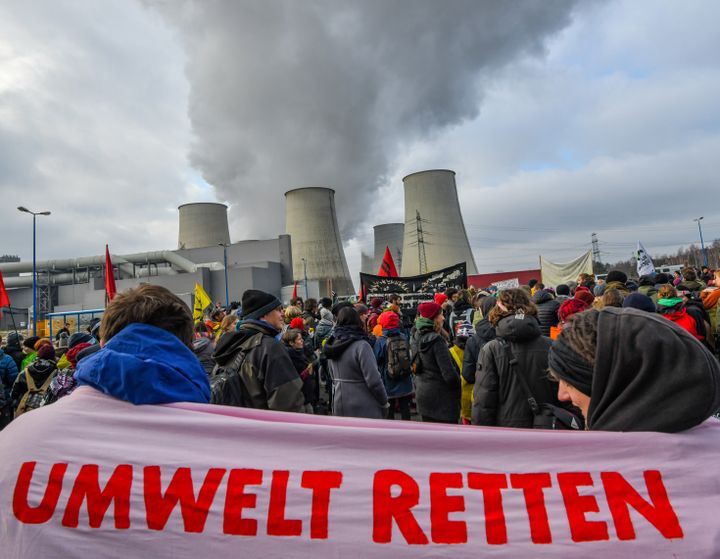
(326, 93)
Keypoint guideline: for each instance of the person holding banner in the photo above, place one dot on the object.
(437, 379)
(664, 381)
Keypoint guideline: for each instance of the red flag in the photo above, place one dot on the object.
(295, 291)
(387, 268)
(361, 295)
(110, 289)
(4, 297)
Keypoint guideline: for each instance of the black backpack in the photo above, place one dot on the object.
(399, 362)
(226, 385)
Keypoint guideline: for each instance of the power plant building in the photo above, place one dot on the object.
(435, 234)
(317, 251)
(388, 235)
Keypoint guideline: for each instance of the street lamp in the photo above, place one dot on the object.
(702, 243)
(227, 292)
(34, 214)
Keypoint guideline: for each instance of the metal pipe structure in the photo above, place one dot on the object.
(66, 278)
(311, 222)
(702, 242)
(434, 227)
(34, 266)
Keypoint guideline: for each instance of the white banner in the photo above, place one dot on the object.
(555, 274)
(91, 476)
(645, 265)
(507, 284)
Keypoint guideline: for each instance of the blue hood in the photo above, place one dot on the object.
(145, 364)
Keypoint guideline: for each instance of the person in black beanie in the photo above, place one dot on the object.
(665, 380)
(616, 280)
(267, 372)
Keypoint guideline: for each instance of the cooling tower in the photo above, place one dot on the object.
(366, 264)
(433, 196)
(388, 235)
(311, 222)
(203, 224)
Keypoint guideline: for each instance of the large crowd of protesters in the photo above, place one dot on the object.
(614, 354)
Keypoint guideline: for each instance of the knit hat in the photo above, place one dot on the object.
(46, 352)
(14, 338)
(41, 342)
(429, 309)
(570, 366)
(297, 323)
(571, 307)
(256, 304)
(389, 320)
(72, 354)
(440, 298)
(583, 293)
(78, 338)
(376, 302)
(616, 275)
(639, 301)
(661, 278)
(29, 342)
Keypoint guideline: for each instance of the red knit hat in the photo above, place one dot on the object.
(297, 323)
(584, 295)
(430, 310)
(440, 298)
(570, 307)
(389, 320)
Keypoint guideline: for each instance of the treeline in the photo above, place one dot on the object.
(686, 256)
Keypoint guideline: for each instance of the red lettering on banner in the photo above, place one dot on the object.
(491, 486)
(444, 530)
(576, 506)
(621, 495)
(278, 525)
(87, 487)
(532, 486)
(159, 506)
(387, 508)
(321, 483)
(44, 511)
(236, 500)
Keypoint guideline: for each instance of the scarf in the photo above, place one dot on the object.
(422, 323)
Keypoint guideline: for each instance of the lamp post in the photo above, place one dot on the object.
(702, 243)
(227, 292)
(34, 214)
(305, 278)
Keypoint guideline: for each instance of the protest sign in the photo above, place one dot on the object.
(193, 480)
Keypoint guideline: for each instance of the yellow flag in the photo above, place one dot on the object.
(202, 302)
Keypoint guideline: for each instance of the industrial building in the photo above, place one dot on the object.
(73, 284)
(434, 236)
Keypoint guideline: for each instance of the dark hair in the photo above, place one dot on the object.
(532, 282)
(580, 332)
(689, 274)
(394, 297)
(295, 300)
(148, 304)
(310, 305)
(348, 316)
(450, 291)
(562, 289)
(340, 306)
(539, 286)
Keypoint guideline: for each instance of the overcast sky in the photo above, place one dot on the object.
(560, 119)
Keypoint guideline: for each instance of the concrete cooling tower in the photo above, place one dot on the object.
(203, 224)
(432, 195)
(311, 222)
(388, 235)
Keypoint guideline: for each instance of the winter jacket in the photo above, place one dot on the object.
(462, 312)
(690, 285)
(203, 349)
(14, 351)
(679, 315)
(484, 332)
(547, 311)
(267, 373)
(665, 380)
(620, 286)
(144, 364)
(650, 291)
(39, 370)
(8, 374)
(466, 389)
(395, 388)
(437, 379)
(302, 363)
(358, 389)
(499, 397)
(711, 299)
(324, 328)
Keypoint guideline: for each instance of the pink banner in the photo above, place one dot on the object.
(91, 476)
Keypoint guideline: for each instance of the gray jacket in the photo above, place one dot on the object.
(358, 389)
